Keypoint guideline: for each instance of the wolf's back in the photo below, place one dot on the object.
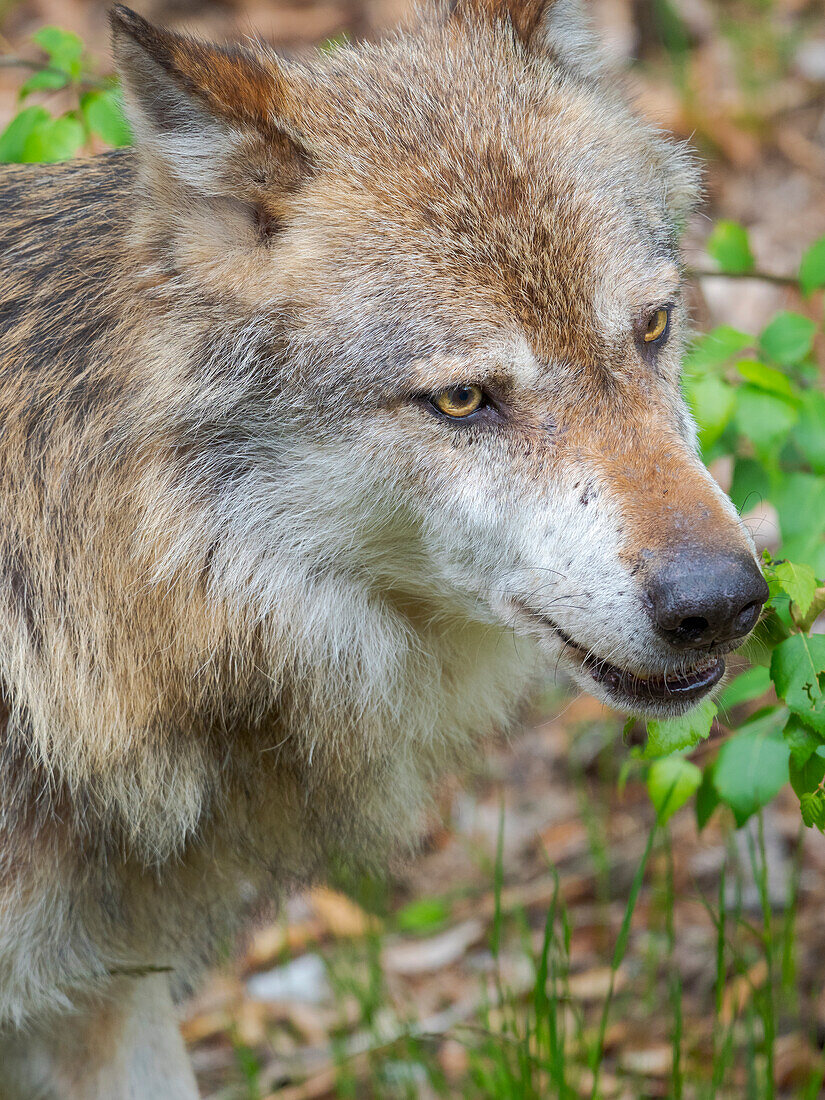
(61, 234)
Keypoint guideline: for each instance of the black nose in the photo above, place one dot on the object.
(701, 598)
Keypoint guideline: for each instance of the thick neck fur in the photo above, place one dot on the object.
(192, 629)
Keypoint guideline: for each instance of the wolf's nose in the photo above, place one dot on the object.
(699, 598)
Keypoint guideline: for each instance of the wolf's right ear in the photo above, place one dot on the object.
(202, 110)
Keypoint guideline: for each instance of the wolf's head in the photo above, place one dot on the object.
(447, 272)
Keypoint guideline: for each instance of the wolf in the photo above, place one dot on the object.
(330, 414)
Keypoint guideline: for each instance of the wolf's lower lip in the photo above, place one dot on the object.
(681, 687)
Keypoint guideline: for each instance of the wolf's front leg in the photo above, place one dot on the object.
(125, 1046)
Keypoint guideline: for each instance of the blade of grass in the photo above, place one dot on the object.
(765, 1001)
(675, 982)
(618, 956)
(721, 1053)
(546, 1006)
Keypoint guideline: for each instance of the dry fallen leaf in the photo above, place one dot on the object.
(563, 839)
(433, 953)
(341, 916)
(454, 1058)
(650, 1061)
(204, 1026)
(275, 940)
(739, 991)
(593, 985)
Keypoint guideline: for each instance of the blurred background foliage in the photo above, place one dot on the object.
(606, 911)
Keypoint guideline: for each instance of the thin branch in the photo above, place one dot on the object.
(11, 62)
(762, 276)
(85, 80)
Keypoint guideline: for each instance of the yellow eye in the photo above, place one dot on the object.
(459, 401)
(656, 325)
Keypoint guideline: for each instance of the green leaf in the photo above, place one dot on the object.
(800, 501)
(812, 806)
(104, 116)
(801, 740)
(769, 720)
(423, 915)
(809, 435)
(670, 783)
(751, 484)
(64, 48)
(806, 621)
(16, 134)
(712, 402)
(812, 268)
(715, 348)
(766, 378)
(672, 734)
(747, 685)
(47, 80)
(707, 798)
(796, 665)
(54, 140)
(808, 547)
(764, 418)
(766, 636)
(806, 777)
(799, 581)
(788, 338)
(750, 769)
(729, 245)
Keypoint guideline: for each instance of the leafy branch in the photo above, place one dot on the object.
(758, 400)
(34, 134)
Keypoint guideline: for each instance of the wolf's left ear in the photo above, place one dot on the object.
(208, 114)
(560, 27)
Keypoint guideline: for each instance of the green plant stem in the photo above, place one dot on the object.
(789, 922)
(760, 871)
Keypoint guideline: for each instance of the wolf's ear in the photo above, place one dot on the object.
(676, 166)
(203, 111)
(560, 27)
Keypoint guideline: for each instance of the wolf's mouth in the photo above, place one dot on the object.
(631, 689)
(681, 687)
